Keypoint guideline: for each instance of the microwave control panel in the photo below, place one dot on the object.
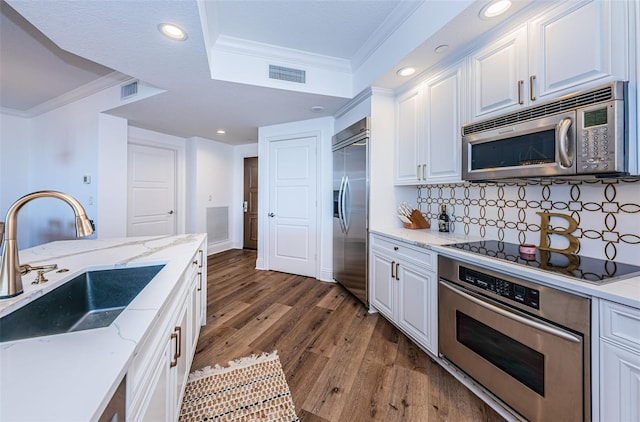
(596, 147)
(498, 286)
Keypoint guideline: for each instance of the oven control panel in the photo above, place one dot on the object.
(504, 288)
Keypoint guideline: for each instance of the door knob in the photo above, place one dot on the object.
(271, 214)
(170, 212)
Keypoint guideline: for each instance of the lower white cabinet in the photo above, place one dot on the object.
(157, 377)
(403, 286)
(619, 362)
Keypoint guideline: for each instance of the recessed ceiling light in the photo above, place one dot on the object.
(406, 71)
(317, 109)
(221, 131)
(495, 8)
(441, 48)
(172, 31)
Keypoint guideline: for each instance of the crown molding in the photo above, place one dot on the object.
(362, 96)
(97, 85)
(396, 18)
(276, 53)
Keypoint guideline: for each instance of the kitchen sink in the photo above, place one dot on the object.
(91, 300)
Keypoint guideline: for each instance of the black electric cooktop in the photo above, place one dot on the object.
(592, 270)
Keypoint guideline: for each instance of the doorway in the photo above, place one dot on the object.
(250, 204)
(151, 201)
(292, 222)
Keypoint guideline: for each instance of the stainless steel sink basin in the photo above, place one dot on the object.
(91, 300)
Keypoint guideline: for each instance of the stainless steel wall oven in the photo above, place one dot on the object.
(527, 344)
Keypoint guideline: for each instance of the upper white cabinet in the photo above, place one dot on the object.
(409, 152)
(443, 142)
(569, 48)
(428, 121)
(497, 73)
(576, 44)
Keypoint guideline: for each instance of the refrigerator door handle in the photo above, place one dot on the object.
(340, 210)
(346, 206)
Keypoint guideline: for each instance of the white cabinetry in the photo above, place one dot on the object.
(619, 362)
(571, 47)
(428, 121)
(497, 74)
(409, 153)
(443, 115)
(158, 374)
(404, 288)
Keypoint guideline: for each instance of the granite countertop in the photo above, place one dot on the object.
(71, 376)
(625, 291)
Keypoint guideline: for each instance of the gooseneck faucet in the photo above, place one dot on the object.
(10, 271)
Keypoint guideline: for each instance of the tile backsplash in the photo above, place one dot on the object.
(607, 212)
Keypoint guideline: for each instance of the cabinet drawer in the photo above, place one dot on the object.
(620, 324)
(404, 251)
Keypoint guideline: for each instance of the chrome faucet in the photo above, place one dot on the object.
(10, 270)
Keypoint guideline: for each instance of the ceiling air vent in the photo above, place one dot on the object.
(287, 74)
(128, 90)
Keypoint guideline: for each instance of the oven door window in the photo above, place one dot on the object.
(518, 151)
(521, 362)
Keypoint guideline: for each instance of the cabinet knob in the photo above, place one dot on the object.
(271, 214)
(395, 248)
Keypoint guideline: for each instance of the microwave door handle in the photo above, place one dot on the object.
(562, 140)
(513, 316)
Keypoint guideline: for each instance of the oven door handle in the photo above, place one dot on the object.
(526, 321)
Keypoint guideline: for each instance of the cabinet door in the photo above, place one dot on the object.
(382, 283)
(409, 162)
(157, 406)
(620, 383)
(181, 358)
(498, 74)
(416, 304)
(443, 139)
(573, 45)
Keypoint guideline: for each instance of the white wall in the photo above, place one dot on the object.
(15, 137)
(323, 128)
(215, 186)
(111, 199)
(55, 150)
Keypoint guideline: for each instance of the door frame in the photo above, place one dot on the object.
(160, 140)
(264, 144)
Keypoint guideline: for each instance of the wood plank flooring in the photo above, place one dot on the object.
(341, 363)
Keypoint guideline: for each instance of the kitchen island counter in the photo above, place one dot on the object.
(72, 376)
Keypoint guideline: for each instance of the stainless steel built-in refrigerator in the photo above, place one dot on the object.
(350, 208)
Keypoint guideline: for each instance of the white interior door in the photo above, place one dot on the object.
(151, 202)
(292, 206)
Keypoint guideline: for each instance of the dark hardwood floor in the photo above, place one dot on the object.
(341, 363)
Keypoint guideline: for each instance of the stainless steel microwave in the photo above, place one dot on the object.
(581, 134)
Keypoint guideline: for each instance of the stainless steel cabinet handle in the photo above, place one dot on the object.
(179, 351)
(532, 96)
(418, 172)
(393, 263)
(526, 321)
(424, 172)
(520, 83)
(174, 361)
(271, 214)
(200, 281)
(397, 267)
